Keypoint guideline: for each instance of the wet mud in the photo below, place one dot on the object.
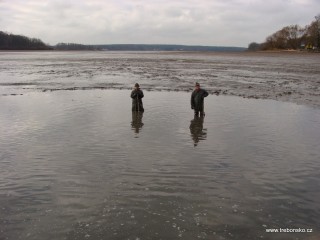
(292, 77)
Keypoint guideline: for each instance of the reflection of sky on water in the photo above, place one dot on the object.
(70, 157)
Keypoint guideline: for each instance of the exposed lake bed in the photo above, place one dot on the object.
(80, 165)
(292, 77)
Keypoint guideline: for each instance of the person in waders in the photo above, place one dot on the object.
(197, 100)
(137, 96)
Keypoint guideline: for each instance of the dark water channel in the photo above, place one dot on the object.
(80, 165)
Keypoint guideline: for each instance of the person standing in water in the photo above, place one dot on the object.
(197, 100)
(137, 95)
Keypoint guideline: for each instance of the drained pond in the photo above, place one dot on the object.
(76, 163)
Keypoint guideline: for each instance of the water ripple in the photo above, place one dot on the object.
(72, 166)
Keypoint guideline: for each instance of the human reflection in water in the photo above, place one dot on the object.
(137, 123)
(197, 131)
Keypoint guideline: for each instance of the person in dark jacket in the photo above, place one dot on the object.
(197, 100)
(137, 96)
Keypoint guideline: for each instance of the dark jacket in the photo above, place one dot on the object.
(137, 104)
(197, 99)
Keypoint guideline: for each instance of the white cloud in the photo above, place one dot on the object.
(201, 22)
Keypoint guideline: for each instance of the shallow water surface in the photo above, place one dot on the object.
(80, 165)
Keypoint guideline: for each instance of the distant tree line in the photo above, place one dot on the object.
(292, 37)
(10, 41)
(19, 42)
(74, 47)
(166, 47)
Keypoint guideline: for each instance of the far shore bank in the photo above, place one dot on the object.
(170, 51)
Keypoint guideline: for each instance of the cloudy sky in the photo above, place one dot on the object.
(191, 22)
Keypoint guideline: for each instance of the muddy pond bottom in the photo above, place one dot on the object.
(80, 165)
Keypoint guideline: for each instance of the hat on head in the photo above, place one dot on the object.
(197, 84)
(137, 85)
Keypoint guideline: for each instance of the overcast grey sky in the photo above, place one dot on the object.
(191, 22)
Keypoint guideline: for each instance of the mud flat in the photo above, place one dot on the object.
(284, 76)
(80, 165)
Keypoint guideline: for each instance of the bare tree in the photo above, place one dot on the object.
(318, 30)
(294, 37)
(254, 46)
